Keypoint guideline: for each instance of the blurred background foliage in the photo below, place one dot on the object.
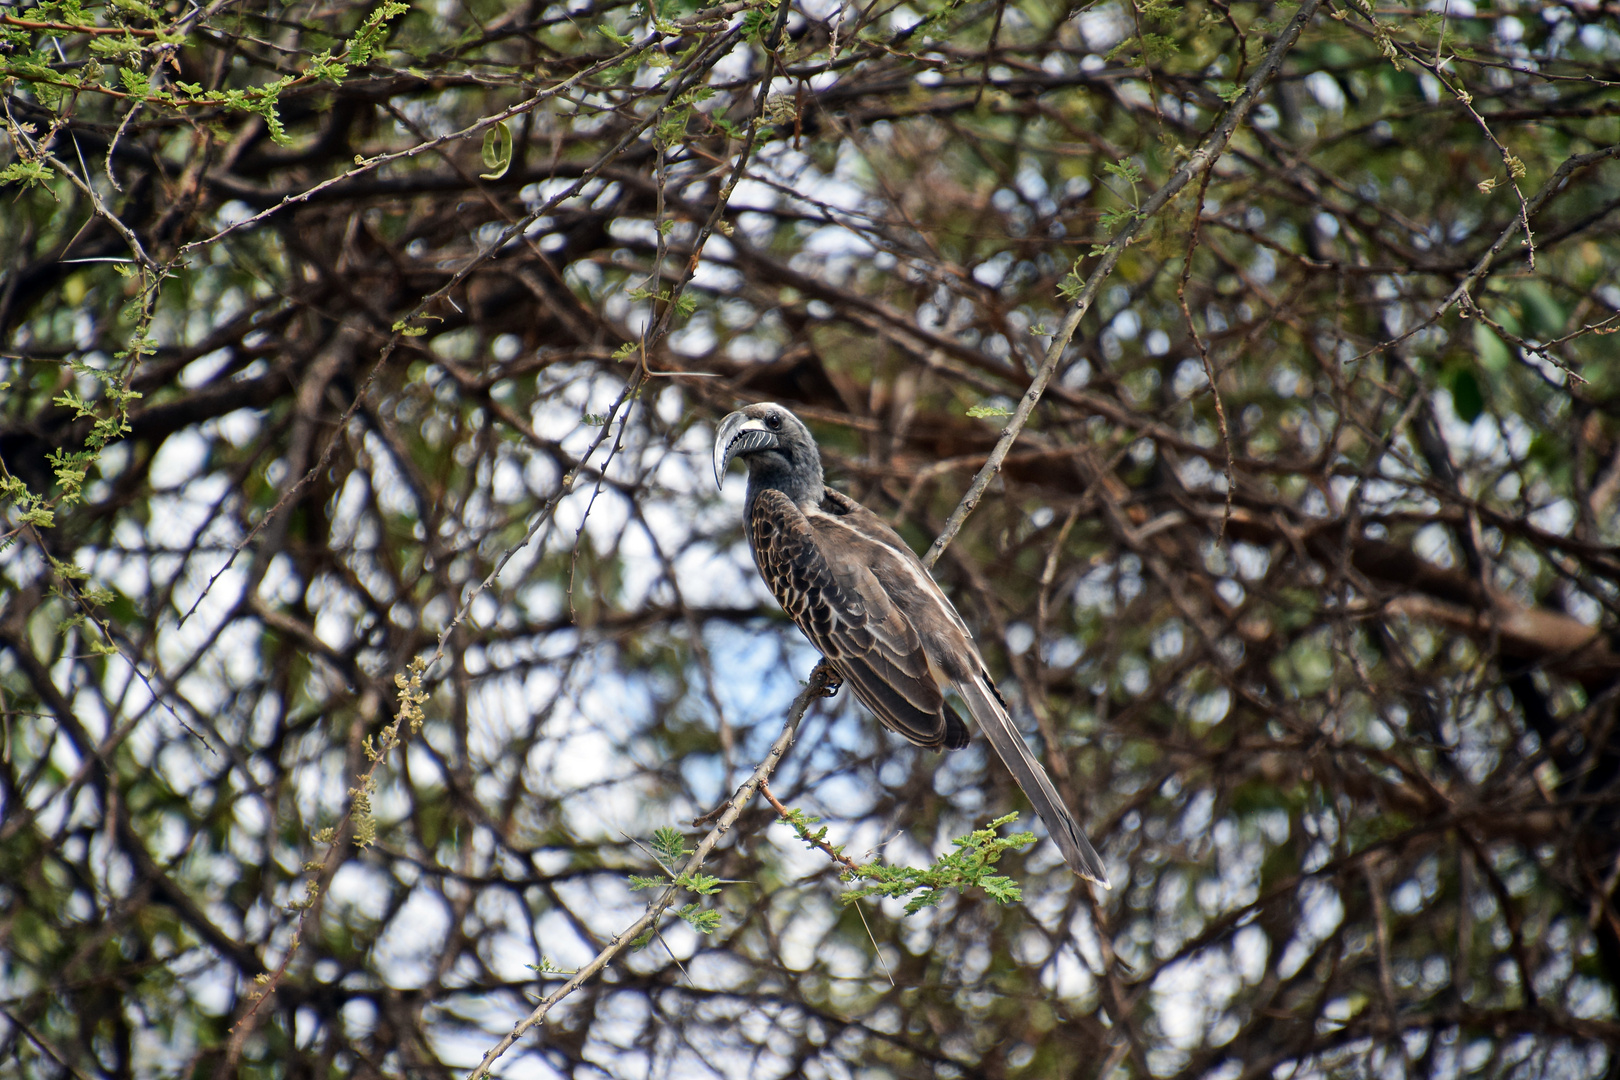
(1303, 575)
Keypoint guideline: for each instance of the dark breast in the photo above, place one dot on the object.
(785, 551)
(868, 639)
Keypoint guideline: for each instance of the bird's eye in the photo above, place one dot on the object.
(773, 421)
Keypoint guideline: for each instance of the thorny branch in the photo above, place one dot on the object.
(1371, 676)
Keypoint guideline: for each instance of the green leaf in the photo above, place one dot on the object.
(1127, 170)
(321, 67)
(115, 48)
(756, 22)
(669, 843)
(1001, 889)
(702, 884)
(497, 151)
(135, 82)
(1117, 217)
(26, 173)
(978, 412)
(703, 920)
(972, 864)
(1467, 399)
(1544, 315)
(547, 967)
(1493, 353)
(672, 127)
(404, 329)
(369, 38)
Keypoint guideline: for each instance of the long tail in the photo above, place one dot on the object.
(982, 701)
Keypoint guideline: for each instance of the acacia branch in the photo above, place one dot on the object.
(1202, 160)
(820, 680)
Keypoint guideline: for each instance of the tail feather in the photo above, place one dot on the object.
(982, 702)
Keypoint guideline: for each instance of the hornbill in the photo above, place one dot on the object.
(866, 601)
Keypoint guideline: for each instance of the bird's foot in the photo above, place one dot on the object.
(831, 681)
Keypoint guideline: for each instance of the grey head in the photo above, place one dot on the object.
(777, 448)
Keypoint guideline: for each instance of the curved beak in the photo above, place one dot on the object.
(738, 433)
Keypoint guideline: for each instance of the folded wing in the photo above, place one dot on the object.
(825, 585)
(866, 602)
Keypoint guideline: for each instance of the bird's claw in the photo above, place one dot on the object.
(832, 686)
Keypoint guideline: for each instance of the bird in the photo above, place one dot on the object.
(864, 599)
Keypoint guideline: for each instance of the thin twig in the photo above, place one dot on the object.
(1486, 262)
(1201, 160)
(820, 679)
(1203, 351)
(119, 227)
(477, 260)
(476, 128)
(787, 815)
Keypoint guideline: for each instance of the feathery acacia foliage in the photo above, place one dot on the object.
(315, 319)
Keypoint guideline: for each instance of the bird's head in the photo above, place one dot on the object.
(778, 449)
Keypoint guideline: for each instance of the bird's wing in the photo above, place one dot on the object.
(900, 572)
(824, 583)
(951, 653)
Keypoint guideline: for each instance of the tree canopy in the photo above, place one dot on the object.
(372, 631)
